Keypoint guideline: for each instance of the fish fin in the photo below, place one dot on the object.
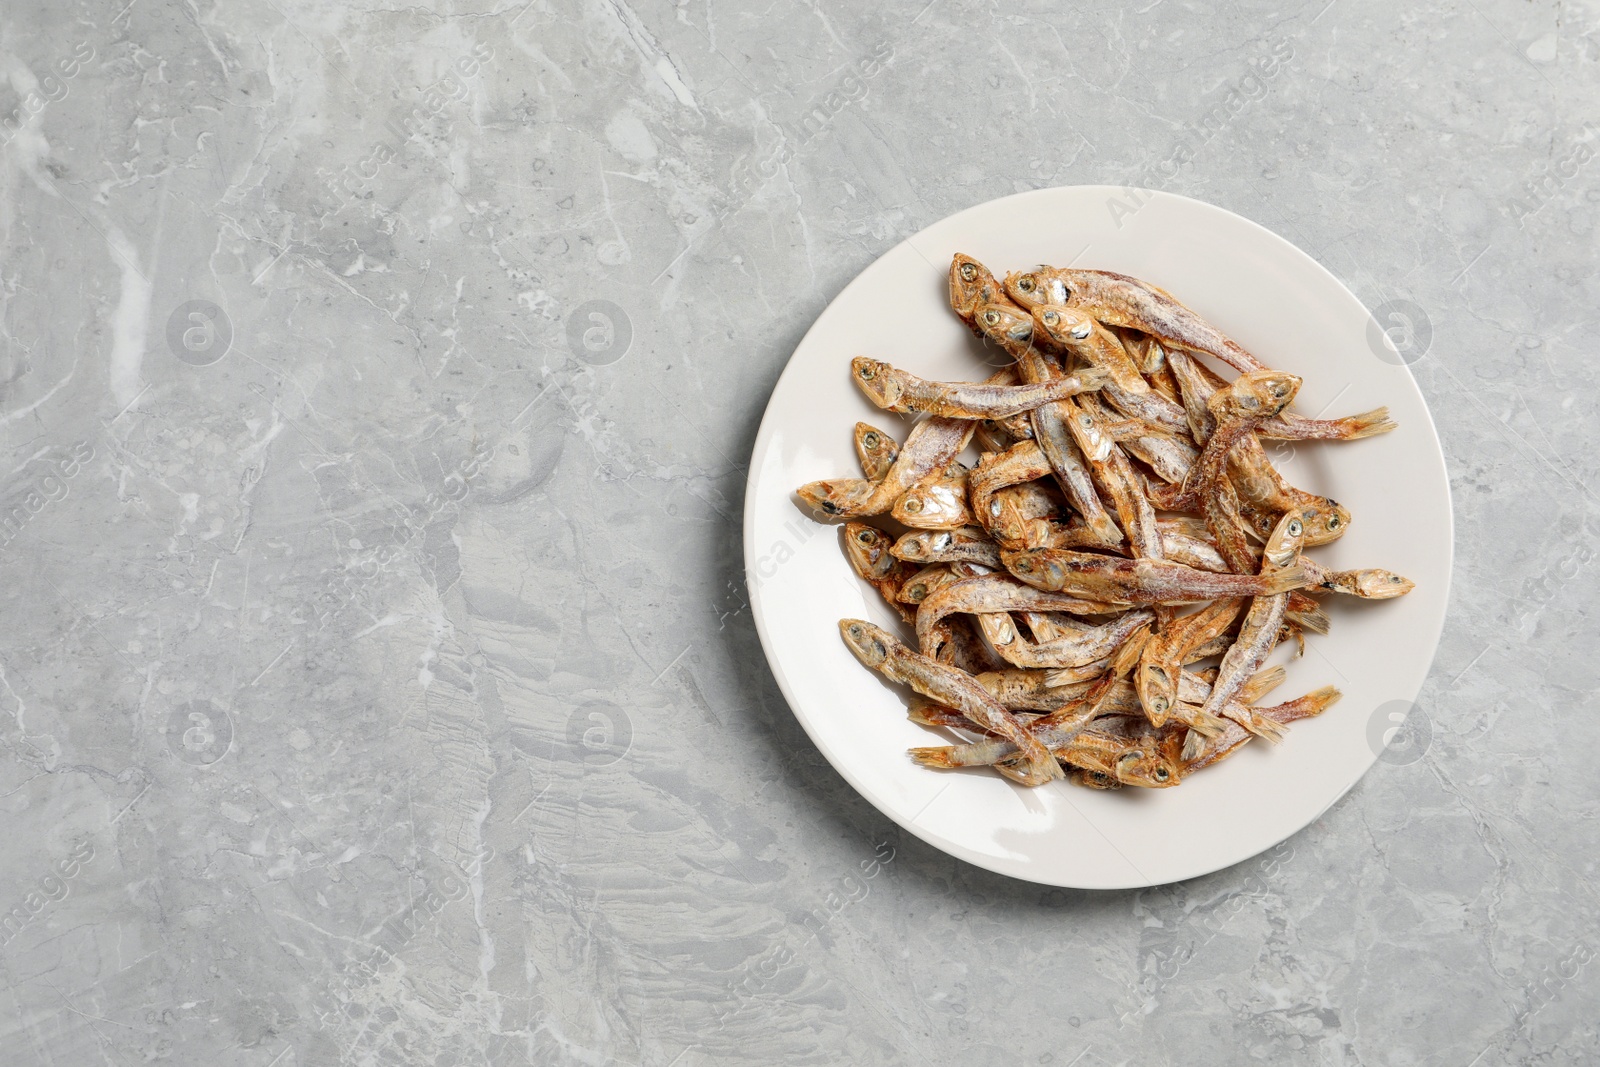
(1054, 678)
(1367, 424)
(1261, 683)
(1020, 771)
(1291, 577)
(1256, 723)
(1206, 724)
(1093, 377)
(1193, 746)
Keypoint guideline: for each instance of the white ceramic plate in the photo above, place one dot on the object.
(1274, 300)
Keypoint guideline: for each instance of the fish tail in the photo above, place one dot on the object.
(1320, 700)
(1367, 424)
(941, 756)
(1314, 619)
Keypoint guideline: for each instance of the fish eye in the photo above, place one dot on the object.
(1295, 528)
(870, 440)
(1081, 331)
(969, 271)
(1160, 705)
(830, 507)
(991, 318)
(918, 591)
(1026, 283)
(866, 372)
(865, 537)
(1162, 774)
(855, 631)
(1396, 578)
(913, 505)
(1333, 522)
(1087, 420)
(1051, 318)
(1025, 565)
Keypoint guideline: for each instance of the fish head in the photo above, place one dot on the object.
(971, 286)
(918, 546)
(925, 582)
(868, 549)
(1324, 520)
(938, 505)
(1146, 766)
(1157, 687)
(1375, 583)
(836, 496)
(1006, 521)
(870, 643)
(1068, 327)
(1093, 779)
(875, 445)
(1034, 567)
(1257, 394)
(1005, 323)
(877, 379)
(1036, 288)
(1284, 543)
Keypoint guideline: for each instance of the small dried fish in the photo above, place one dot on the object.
(1118, 300)
(1259, 632)
(1157, 678)
(991, 594)
(877, 649)
(1115, 477)
(1138, 581)
(1074, 650)
(1120, 478)
(1091, 342)
(1015, 331)
(868, 550)
(926, 453)
(967, 545)
(897, 390)
(1235, 736)
(1371, 583)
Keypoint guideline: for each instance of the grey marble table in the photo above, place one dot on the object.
(377, 682)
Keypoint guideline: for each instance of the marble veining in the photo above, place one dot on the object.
(377, 382)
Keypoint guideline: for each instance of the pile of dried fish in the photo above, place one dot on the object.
(1123, 528)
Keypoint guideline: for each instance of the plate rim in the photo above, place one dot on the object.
(768, 427)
